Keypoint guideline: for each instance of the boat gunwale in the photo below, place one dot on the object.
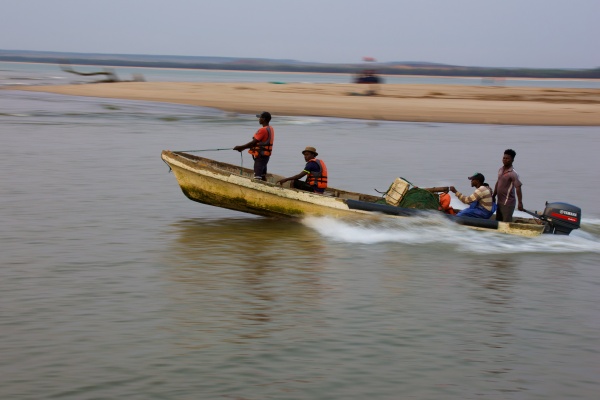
(228, 170)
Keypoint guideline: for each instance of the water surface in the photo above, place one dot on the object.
(114, 285)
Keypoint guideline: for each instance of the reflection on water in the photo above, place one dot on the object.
(497, 276)
(261, 271)
(493, 296)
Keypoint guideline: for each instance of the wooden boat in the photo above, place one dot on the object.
(228, 186)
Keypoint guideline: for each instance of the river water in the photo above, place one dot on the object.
(114, 285)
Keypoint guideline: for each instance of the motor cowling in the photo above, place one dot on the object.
(562, 218)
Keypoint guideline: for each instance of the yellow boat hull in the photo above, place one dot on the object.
(227, 186)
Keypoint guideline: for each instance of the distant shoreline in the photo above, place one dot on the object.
(393, 102)
(398, 76)
(391, 68)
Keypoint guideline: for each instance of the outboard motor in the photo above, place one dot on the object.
(559, 218)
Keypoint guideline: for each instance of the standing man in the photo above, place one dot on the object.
(316, 181)
(507, 185)
(480, 201)
(261, 146)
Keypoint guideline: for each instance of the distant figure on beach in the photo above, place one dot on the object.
(481, 204)
(316, 181)
(261, 146)
(367, 76)
(507, 186)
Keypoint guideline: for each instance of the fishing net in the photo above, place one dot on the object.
(420, 199)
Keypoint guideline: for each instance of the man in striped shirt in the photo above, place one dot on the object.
(480, 202)
(507, 186)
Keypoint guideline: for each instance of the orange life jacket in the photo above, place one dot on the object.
(318, 179)
(264, 149)
(445, 204)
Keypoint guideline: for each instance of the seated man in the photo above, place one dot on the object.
(480, 202)
(316, 181)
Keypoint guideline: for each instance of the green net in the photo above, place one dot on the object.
(420, 199)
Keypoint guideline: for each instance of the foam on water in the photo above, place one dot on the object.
(439, 231)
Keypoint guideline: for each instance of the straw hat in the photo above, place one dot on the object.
(311, 149)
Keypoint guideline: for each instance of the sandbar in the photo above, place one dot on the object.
(391, 102)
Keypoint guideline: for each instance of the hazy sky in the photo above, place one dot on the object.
(504, 33)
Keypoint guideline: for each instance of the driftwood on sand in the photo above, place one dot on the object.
(110, 75)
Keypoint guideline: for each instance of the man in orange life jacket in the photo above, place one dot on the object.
(261, 146)
(315, 170)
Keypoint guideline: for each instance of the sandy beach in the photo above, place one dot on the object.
(393, 102)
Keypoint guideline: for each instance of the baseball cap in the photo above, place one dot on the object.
(477, 175)
(265, 115)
